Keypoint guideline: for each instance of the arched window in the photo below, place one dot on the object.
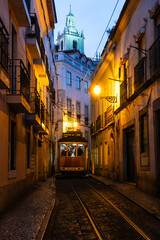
(62, 45)
(74, 44)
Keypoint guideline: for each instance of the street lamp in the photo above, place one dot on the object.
(97, 90)
(111, 99)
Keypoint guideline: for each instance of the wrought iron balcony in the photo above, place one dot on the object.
(42, 66)
(139, 73)
(33, 37)
(21, 10)
(42, 49)
(33, 117)
(19, 93)
(154, 55)
(108, 115)
(4, 77)
(99, 122)
(47, 119)
(42, 113)
(123, 92)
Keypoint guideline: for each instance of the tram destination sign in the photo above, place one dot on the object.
(72, 134)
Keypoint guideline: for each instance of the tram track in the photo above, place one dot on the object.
(128, 220)
(94, 222)
(90, 210)
(91, 219)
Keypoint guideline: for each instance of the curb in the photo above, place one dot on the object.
(46, 219)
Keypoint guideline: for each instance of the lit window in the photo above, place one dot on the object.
(69, 107)
(78, 111)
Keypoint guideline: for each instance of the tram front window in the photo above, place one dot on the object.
(63, 149)
(80, 150)
(72, 150)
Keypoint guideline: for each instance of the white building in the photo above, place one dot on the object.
(73, 70)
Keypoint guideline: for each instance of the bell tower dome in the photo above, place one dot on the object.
(71, 39)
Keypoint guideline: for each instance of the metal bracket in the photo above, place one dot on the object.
(111, 99)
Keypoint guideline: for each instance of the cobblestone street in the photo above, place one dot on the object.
(24, 219)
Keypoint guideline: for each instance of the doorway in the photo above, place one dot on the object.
(129, 155)
(157, 138)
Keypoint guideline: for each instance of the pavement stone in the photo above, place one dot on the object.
(28, 218)
(150, 203)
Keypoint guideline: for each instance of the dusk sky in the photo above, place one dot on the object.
(91, 16)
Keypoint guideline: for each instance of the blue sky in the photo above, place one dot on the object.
(91, 16)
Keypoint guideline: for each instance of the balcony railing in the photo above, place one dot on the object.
(42, 49)
(42, 113)
(139, 73)
(108, 115)
(47, 119)
(20, 80)
(99, 122)
(35, 102)
(3, 46)
(123, 92)
(34, 30)
(154, 55)
(46, 66)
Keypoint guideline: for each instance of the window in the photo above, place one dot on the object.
(97, 155)
(101, 154)
(144, 133)
(69, 107)
(78, 111)
(61, 45)
(106, 154)
(80, 150)
(69, 79)
(28, 149)
(86, 86)
(86, 135)
(157, 25)
(86, 115)
(72, 150)
(13, 145)
(78, 83)
(3, 46)
(63, 149)
(74, 44)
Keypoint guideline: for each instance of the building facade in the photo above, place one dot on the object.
(74, 72)
(125, 116)
(26, 95)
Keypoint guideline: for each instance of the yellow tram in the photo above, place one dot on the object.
(73, 153)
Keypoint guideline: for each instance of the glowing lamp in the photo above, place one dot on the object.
(75, 124)
(97, 90)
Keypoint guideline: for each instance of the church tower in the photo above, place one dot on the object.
(71, 39)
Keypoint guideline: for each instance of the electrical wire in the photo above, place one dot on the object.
(100, 41)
